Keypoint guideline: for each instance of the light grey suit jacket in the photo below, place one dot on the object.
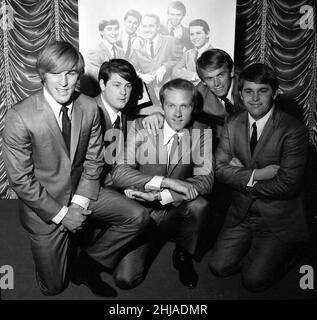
(40, 169)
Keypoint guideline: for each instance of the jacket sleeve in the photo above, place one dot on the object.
(17, 156)
(287, 182)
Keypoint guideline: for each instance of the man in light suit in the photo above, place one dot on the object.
(107, 48)
(170, 173)
(176, 12)
(155, 60)
(53, 154)
(199, 33)
(261, 156)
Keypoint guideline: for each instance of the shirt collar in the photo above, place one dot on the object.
(178, 28)
(203, 48)
(55, 106)
(260, 124)
(168, 133)
(108, 45)
(112, 114)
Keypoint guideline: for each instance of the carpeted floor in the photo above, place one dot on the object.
(161, 283)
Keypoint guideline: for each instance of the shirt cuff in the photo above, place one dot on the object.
(60, 216)
(251, 182)
(166, 197)
(154, 184)
(81, 201)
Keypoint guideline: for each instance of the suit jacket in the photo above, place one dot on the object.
(146, 156)
(137, 43)
(95, 58)
(40, 169)
(186, 67)
(184, 41)
(284, 142)
(106, 126)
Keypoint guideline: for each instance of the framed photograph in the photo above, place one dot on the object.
(155, 37)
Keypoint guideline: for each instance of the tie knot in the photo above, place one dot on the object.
(116, 124)
(254, 126)
(175, 137)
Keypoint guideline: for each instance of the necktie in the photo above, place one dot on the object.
(66, 127)
(114, 52)
(196, 56)
(172, 33)
(173, 150)
(116, 124)
(152, 49)
(254, 138)
(127, 54)
(228, 104)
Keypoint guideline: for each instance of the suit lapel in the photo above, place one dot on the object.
(161, 152)
(241, 141)
(159, 45)
(76, 126)
(50, 120)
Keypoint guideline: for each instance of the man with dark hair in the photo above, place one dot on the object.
(176, 12)
(199, 34)
(170, 173)
(129, 39)
(262, 156)
(156, 59)
(107, 48)
(53, 154)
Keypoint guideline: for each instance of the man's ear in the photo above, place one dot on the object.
(276, 93)
(102, 84)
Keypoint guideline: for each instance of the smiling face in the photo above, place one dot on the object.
(198, 36)
(218, 80)
(116, 91)
(111, 33)
(131, 25)
(178, 108)
(61, 85)
(257, 98)
(150, 27)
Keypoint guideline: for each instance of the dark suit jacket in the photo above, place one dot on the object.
(284, 142)
(146, 156)
(38, 165)
(106, 126)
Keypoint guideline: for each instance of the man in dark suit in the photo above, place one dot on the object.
(170, 173)
(218, 88)
(53, 154)
(261, 156)
(173, 27)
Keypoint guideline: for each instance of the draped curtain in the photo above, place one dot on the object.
(281, 33)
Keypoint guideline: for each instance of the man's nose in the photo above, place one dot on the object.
(63, 79)
(216, 81)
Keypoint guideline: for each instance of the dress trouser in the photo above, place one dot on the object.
(181, 223)
(253, 249)
(127, 219)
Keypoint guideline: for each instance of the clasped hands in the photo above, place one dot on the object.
(74, 219)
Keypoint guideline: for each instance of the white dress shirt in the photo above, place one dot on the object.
(178, 31)
(56, 108)
(112, 113)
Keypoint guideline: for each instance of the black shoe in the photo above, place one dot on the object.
(182, 261)
(87, 272)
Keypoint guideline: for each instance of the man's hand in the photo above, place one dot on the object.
(159, 74)
(266, 173)
(185, 188)
(140, 195)
(74, 218)
(153, 122)
(147, 78)
(235, 162)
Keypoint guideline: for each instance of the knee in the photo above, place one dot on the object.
(52, 288)
(220, 267)
(139, 217)
(199, 205)
(124, 280)
(255, 281)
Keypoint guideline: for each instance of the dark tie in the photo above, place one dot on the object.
(114, 52)
(116, 124)
(254, 138)
(173, 150)
(172, 32)
(66, 127)
(152, 49)
(228, 104)
(127, 54)
(196, 56)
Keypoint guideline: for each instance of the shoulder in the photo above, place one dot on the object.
(87, 104)
(288, 121)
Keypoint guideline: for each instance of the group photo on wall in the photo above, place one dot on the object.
(161, 150)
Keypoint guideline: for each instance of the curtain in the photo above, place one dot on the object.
(26, 26)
